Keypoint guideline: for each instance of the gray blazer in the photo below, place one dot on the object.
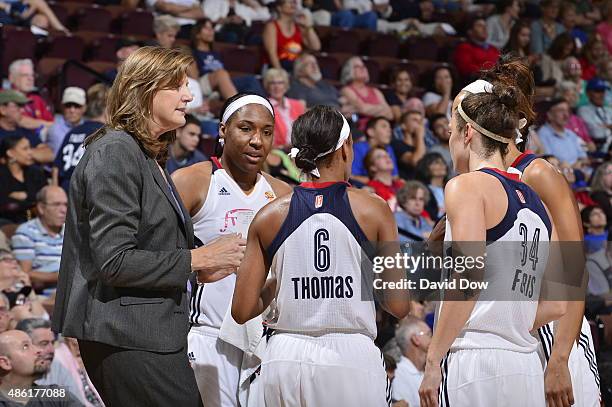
(126, 259)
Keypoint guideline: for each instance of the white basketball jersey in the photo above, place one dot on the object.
(514, 272)
(227, 210)
(316, 260)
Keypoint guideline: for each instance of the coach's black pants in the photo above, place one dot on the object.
(126, 377)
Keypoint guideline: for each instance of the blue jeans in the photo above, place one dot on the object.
(348, 19)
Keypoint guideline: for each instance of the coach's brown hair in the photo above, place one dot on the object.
(130, 100)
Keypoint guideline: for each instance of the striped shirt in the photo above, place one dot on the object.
(33, 242)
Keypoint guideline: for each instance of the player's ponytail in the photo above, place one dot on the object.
(314, 133)
(495, 115)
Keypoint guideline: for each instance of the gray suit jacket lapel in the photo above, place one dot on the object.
(161, 182)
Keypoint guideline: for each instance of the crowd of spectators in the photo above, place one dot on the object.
(399, 116)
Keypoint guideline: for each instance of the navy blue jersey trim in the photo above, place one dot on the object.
(515, 205)
(523, 161)
(335, 203)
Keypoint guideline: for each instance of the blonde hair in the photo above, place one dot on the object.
(165, 23)
(130, 100)
(275, 73)
(96, 96)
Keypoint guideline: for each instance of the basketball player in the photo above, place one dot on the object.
(571, 373)
(322, 352)
(491, 357)
(222, 197)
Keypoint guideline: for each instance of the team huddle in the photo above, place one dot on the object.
(295, 325)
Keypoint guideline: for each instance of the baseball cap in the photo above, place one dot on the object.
(597, 84)
(10, 95)
(74, 95)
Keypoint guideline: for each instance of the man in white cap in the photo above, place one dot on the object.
(73, 108)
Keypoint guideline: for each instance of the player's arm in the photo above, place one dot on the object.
(550, 310)
(395, 301)
(192, 185)
(251, 295)
(465, 210)
(553, 189)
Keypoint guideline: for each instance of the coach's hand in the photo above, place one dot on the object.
(219, 258)
(558, 384)
(428, 392)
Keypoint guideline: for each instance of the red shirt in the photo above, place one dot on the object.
(387, 192)
(37, 108)
(471, 58)
(287, 48)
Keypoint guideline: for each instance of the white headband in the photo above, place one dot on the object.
(344, 134)
(243, 101)
(482, 86)
(479, 86)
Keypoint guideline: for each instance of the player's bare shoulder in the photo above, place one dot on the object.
(280, 188)
(367, 203)
(541, 171)
(192, 184)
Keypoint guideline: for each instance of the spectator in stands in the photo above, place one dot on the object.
(604, 29)
(213, 76)
(287, 110)
(54, 362)
(599, 267)
(184, 151)
(411, 148)
(552, 61)
(368, 101)
(601, 188)
(572, 71)
(5, 315)
(20, 180)
(233, 17)
(124, 48)
(20, 364)
(439, 98)
(595, 228)
(286, 36)
(74, 104)
(354, 14)
(569, 20)
(11, 103)
(70, 151)
(567, 90)
(519, 42)
(410, 221)
(594, 54)
(26, 12)
(308, 84)
(432, 171)
(36, 113)
(605, 72)
(556, 139)
(476, 53)
(379, 165)
(186, 12)
(166, 29)
(12, 278)
(401, 88)
(37, 244)
(413, 337)
(596, 115)
(499, 25)
(440, 125)
(378, 133)
(546, 29)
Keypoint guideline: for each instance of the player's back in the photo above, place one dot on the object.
(516, 257)
(316, 260)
